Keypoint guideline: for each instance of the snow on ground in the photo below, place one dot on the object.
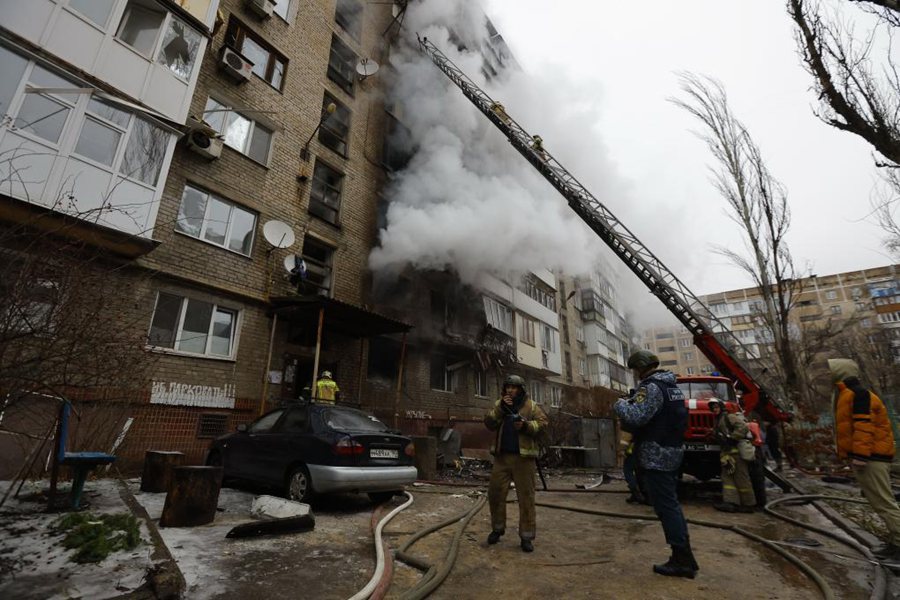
(33, 563)
(199, 551)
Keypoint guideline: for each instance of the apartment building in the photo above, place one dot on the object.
(229, 159)
(869, 297)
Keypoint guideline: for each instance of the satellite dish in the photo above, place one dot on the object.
(279, 234)
(291, 261)
(366, 67)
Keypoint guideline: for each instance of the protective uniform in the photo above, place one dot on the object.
(657, 416)
(864, 433)
(515, 453)
(737, 489)
(326, 389)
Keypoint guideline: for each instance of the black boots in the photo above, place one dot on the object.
(680, 564)
(527, 545)
(494, 537)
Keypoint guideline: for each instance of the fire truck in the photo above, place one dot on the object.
(711, 336)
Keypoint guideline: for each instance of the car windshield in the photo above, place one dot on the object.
(347, 419)
(705, 390)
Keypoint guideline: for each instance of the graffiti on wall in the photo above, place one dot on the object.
(185, 394)
(417, 414)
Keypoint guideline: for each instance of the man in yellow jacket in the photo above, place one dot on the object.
(327, 390)
(863, 435)
(517, 420)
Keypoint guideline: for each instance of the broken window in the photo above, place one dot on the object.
(398, 144)
(318, 257)
(334, 133)
(443, 374)
(325, 192)
(215, 220)
(498, 316)
(384, 358)
(192, 326)
(438, 308)
(342, 65)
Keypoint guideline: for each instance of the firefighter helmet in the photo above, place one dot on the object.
(514, 380)
(326, 375)
(642, 360)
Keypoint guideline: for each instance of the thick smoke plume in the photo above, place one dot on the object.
(468, 201)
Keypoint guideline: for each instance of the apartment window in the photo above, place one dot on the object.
(342, 65)
(666, 349)
(45, 114)
(685, 343)
(831, 295)
(579, 333)
(836, 309)
(891, 317)
(283, 8)
(268, 64)
(498, 316)
(687, 355)
(526, 330)
(442, 377)
(690, 370)
(861, 306)
(564, 326)
(348, 14)
(568, 362)
(398, 144)
(101, 132)
(141, 24)
(179, 48)
(241, 133)
(318, 257)
(582, 366)
(94, 10)
(647, 347)
(664, 336)
(866, 322)
(669, 363)
(325, 192)
(548, 338)
(555, 397)
(438, 304)
(539, 292)
(335, 130)
(192, 326)
(536, 391)
(480, 383)
(215, 220)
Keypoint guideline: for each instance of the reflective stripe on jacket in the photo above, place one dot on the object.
(535, 421)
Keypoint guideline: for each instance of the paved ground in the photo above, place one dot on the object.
(576, 555)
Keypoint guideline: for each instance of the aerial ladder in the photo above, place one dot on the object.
(717, 342)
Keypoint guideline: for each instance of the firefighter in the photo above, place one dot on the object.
(737, 489)
(537, 144)
(327, 390)
(657, 416)
(499, 110)
(863, 435)
(517, 421)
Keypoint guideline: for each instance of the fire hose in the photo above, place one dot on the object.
(379, 552)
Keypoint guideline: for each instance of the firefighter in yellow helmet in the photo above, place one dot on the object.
(327, 390)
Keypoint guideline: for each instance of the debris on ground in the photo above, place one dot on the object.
(94, 537)
(273, 507)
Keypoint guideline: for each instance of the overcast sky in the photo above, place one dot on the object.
(631, 53)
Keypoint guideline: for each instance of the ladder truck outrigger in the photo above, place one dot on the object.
(717, 343)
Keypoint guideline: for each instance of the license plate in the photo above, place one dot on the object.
(383, 453)
(702, 448)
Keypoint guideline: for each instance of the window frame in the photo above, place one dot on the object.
(548, 338)
(235, 35)
(526, 330)
(287, 12)
(490, 304)
(314, 263)
(318, 201)
(353, 32)
(228, 229)
(328, 130)
(338, 49)
(226, 109)
(179, 328)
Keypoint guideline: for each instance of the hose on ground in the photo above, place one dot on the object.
(379, 552)
(820, 582)
(436, 575)
(880, 585)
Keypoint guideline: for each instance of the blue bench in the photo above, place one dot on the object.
(81, 463)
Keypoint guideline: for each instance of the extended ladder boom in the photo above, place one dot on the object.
(714, 339)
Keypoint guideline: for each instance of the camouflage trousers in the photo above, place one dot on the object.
(520, 470)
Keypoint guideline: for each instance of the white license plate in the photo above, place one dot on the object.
(383, 453)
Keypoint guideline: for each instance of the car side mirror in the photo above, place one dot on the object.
(242, 427)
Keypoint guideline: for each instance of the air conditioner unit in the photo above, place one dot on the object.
(207, 146)
(236, 66)
(262, 8)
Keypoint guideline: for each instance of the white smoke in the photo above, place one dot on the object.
(467, 201)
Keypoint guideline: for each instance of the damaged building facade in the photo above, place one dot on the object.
(228, 159)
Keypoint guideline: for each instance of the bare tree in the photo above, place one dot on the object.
(758, 204)
(858, 89)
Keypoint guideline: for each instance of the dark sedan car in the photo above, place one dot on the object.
(315, 449)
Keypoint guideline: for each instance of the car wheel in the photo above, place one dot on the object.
(299, 485)
(380, 497)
